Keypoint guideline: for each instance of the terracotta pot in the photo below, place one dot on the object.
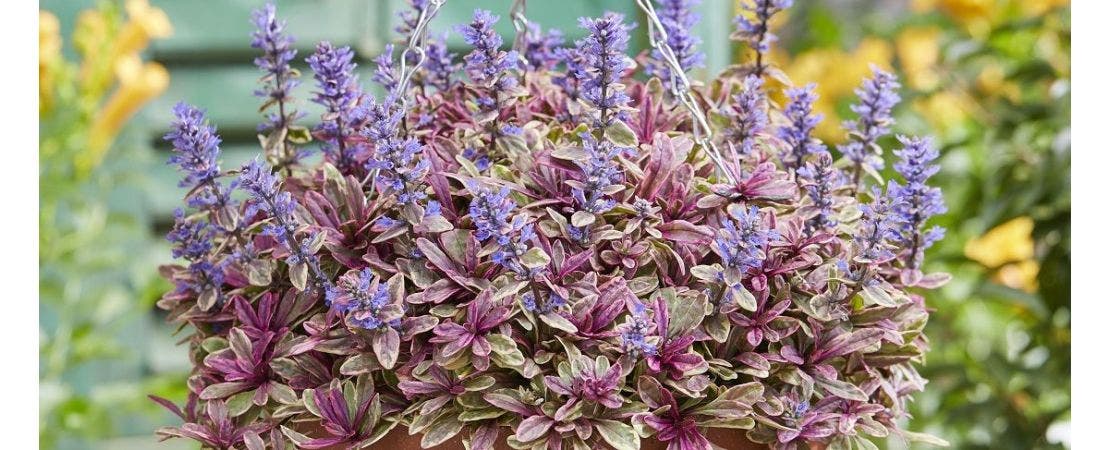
(399, 439)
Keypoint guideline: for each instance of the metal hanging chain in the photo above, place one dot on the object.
(418, 40)
(680, 88)
(520, 24)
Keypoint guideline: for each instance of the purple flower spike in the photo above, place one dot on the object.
(366, 302)
(637, 332)
(798, 131)
(876, 230)
(915, 202)
(490, 212)
(385, 74)
(487, 64)
(749, 118)
(678, 21)
(742, 240)
(604, 52)
(439, 65)
(277, 54)
(338, 92)
(877, 97)
(265, 197)
(753, 30)
(196, 153)
(601, 174)
(540, 48)
(820, 178)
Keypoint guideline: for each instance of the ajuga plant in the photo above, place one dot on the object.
(531, 247)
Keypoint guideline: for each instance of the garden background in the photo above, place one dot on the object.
(989, 79)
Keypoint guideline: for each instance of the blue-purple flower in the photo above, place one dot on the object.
(604, 51)
(192, 240)
(196, 153)
(385, 74)
(439, 66)
(540, 48)
(748, 116)
(752, 29)
(819, 178)
(487, 64)
(365, 300)
(398, 159)
(678, 21)
(257, 179)
(742, 239)
(877, 97)
(601, 175)
(568, 80)
(409, 18)
(798, 131)
(915, 202)
(638, 331)
(876, 230)
(277, 54)
(338, 92)
(550, 303)
(490, 211)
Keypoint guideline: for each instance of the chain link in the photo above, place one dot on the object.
(418, 40)
(680, 88)
(520, 24)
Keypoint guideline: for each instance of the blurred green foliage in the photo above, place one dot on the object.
(990, 79)
(98, 344)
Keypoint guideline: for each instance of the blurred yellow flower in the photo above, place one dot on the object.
(144, 22)
(138, 83)
(92, 38)
(992, 82)
(1009, 249)
(1006, 243)
(837, 74)
(1022, 275)
(1032, 8)
(50, 54)
(918, 51)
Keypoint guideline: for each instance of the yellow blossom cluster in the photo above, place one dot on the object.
(109, 47)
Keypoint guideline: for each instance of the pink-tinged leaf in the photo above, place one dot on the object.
(387, 345)
(253, 441)
(849, 343)
(507, 402)
(440, 260)
(574, 262)
(685, 232)
(224, 390)
(533, 428)
(168, 405)
(484, 437)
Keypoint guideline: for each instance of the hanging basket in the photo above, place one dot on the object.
(557, 246)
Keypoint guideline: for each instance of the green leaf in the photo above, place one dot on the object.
(558, 322)
(842, 389)
(582, 218)
(876, 295)
(446, 427)
(298, 275)
(686, 312)
(619, 133)
(534, 257)
(618, 434)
